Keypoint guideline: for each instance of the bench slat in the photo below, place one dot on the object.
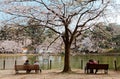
(97, 66)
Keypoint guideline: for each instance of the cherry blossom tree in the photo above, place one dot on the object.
(68, 18)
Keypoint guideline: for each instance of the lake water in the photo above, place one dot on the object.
(77, 62)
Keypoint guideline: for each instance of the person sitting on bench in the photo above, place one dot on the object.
(36, 62)
(27, 63)
(91, 61)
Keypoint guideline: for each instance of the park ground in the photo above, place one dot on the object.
(56, 74)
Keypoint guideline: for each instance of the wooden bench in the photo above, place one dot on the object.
(27, 68)
(96, 67)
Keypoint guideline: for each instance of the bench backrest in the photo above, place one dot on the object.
(97, 66)
(26, 67)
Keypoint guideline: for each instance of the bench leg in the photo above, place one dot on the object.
(87, 71)
(16, 71)
(40, 70)
(28, 71)
(96, 70)
(106, 71)
(91, 71)
(36, 71)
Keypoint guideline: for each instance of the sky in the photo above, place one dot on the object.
(115, 17)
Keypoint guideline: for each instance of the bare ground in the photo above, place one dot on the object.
(56, 74)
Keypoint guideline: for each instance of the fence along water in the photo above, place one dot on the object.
(7, 64)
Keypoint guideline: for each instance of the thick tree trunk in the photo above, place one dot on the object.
(67, 67)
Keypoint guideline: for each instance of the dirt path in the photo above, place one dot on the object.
(55, 74)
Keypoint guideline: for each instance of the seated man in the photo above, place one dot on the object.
(27, 63)
(91, 61)
(37, 63)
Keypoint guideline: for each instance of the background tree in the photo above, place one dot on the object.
(68, 18)
(35, 33)
(101, 36)
(105, 36)
(3, 34)
(9, 32)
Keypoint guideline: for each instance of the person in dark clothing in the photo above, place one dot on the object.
(27, 63)
(91, 61)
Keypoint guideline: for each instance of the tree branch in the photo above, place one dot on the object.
(53, 41)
